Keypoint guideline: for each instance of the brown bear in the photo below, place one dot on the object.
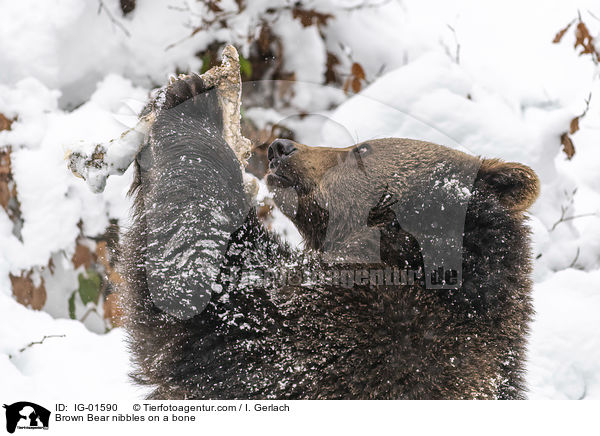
(413, 282)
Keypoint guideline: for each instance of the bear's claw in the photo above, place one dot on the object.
(182, 89)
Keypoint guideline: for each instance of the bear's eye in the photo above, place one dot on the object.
(363, 149)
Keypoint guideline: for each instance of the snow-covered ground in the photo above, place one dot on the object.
(482, 76)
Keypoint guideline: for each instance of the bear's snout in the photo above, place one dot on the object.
(279, 149)
(300, 166)
(281, 173)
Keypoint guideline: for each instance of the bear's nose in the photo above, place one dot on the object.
(279, 149)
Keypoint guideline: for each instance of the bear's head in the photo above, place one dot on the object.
(343, 200)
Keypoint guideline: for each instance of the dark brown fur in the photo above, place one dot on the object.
(310, 339)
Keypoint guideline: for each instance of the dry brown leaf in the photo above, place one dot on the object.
(584, 39)
(310, 17)
(115, 278)
(4, 163)
(4, 194)
(8, 189)
(356, 85)
(264, 38)
(5, 179)
(213, 6)
(82, 256)
(354, 80)
(27, 293)
(581, 33)
(358, 71)
(567, 144)
(574, 126)
(332, 63)
(112, 310)
(561, 33)
(5, 123)
(102, 254)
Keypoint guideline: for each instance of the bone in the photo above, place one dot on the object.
(96, 162)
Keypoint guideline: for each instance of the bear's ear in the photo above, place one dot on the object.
(516, 184)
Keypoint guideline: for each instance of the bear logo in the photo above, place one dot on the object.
(27, 415)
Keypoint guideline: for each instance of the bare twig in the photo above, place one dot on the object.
(585, 389)
(111, 17)
(576, 257)
(564, 209)
(366, 5)
(457, 50)
(31, 344)
(218, 18)
(593, 15)
(569, 218)
(587, 105)
(86, 314)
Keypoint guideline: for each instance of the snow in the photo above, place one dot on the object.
(70, 75)
(70, 45)
(563, 362)
(75, 364)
